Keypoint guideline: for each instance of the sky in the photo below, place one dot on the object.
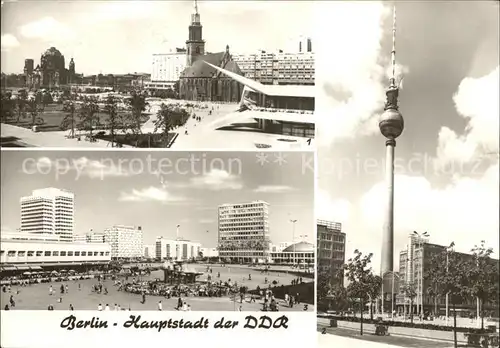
(98, 35)
(446, 167)
(158, 190)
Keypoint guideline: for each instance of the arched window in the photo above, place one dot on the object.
(198, 49)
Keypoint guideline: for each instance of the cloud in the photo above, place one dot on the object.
(125, 10)
(273, 189)
(149, 194)
(216, 180)
(9, 41)
(477, 101)
(351, 69)
(48, 29)
(80, 167)
(465, 211)
(335, 210)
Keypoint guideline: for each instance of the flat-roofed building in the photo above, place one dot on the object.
(244, 232)
(176, 249)
(126, 241)
(19, 254)
(49, 211)
(331, 250)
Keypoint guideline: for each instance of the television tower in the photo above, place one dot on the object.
(391, 126)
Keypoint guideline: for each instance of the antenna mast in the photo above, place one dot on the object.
(393, 53)
(196, 6)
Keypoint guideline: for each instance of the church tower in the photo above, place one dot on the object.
(195, 45)
(71, 72)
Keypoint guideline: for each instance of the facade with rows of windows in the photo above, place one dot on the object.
(25, 254)
(177, 250)
(331, 250)
(126, 242)
(49, 211)
(244, 232)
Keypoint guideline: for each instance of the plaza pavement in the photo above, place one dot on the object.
(48, 139)
(348, 338)
(36, 296)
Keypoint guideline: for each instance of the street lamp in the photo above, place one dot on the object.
(302, 239)
(420, 279)
(293, 221)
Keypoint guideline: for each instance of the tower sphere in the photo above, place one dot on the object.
(391, 124)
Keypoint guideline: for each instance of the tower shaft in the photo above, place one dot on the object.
(388, 229)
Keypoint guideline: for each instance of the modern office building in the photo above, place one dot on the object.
(49, 211)
(301, 253)
(166, 69)
(149, 251)
(35, 254)
(126, 242)
(244, 232)
(177, 250)
(331, 250)
(280, 68)
(414, 263)
(90, 237)
(209, 252)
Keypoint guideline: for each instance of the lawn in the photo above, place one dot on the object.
(53, 116)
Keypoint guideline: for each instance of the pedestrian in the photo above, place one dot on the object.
(116, 307)
(107, 307)
(6, 307)
(240, 309)
(79, 286)
(160, 306)
(71, 307)
(67, 288)
(99, 308)
(51, 290)
(179, 303)
(50, 308)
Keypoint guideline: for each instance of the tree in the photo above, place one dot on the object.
(22, 99)
(451, 270)
(483, 277)
(114, 120)
(137, 104)
(69, 119)
(8, 106)
(339, 295)
(168, 118)
(34, 109)
(359, 275)
(89, 113)
(374, 290)
(410, 291)
(323, 287)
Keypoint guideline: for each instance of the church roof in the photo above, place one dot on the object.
(199, 69)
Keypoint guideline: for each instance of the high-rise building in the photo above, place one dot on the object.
(167, 69)
(49, 211)
(126, 241)
(178, 249)
(331, 250)
(149, 251)
(244, 231)
(281, 68)
(414, 264)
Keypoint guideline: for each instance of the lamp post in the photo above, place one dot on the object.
(420, 279)
(293, 221)
(302, 239)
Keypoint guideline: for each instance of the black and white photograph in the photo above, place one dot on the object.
(408, 175)
(166, 231)
(158, 74)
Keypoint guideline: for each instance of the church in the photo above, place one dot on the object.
(201, 82)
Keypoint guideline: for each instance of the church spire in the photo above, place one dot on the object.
(195, 17)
